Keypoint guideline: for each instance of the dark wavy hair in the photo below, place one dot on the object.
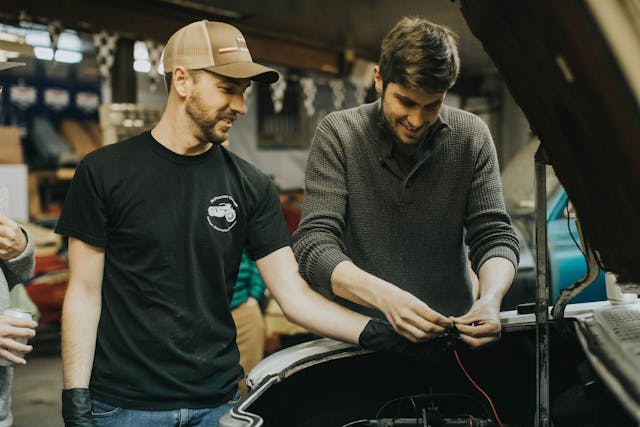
(417, 53)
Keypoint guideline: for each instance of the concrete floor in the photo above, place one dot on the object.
(37, 386)
(36, 392)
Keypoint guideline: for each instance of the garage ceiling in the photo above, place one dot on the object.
(329, 25)
(339, 24)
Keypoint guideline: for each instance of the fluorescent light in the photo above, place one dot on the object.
(13, 38)
(140, 50)
(61, 55)
(8, 54)
(69, 41)
(68, 56)
(45, 53)
(141, 66)
(38, 38)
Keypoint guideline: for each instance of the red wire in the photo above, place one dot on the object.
(495, 413)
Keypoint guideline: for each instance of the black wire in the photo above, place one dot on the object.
(354, 423)
(597, 255)
(435, 395)
(566, 207)
(424, 396)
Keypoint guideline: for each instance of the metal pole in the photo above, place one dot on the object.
(542, 292)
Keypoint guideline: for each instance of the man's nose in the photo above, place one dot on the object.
(237, 104)
(415, 119)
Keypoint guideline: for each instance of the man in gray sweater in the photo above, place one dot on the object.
(16, 265)
(394, 190)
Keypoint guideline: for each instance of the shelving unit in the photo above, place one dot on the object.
(122, 121)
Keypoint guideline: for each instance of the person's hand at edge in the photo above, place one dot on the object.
(10, 329)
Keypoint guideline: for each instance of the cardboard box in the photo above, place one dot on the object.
(81, 142)
(10, 146)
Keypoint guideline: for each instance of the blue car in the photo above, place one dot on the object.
(566, 260)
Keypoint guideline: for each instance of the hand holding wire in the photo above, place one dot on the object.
(480, 325)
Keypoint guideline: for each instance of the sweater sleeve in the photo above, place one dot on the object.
(489, 230)
(318, 242)
(19, 269)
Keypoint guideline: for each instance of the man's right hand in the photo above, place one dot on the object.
(76, 408)
(412, 318)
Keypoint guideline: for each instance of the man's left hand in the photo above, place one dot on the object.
(481, 325)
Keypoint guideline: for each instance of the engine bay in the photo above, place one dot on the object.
(376, 389)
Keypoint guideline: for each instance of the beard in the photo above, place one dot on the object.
(207, 122)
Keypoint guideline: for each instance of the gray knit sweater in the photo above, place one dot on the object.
(408, 229)
(12, 272)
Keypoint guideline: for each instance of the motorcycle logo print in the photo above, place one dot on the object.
(221, 214)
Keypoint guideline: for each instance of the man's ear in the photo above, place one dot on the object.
(377, 79)
(182, 81)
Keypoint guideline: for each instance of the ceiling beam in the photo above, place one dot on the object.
(150, 20)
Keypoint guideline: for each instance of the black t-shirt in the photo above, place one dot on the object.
(173, 228)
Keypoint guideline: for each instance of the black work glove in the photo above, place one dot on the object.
(76, 408)
(379, 335)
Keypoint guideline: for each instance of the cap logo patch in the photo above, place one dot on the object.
(241, 46)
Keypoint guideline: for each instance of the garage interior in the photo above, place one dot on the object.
(325, 53)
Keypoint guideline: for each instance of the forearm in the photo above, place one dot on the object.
(495, 278)
(80, 317)
(354, 284)
(312, 311)
(410, 317)
(302, 305)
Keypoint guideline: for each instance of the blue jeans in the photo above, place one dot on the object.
(106, 415)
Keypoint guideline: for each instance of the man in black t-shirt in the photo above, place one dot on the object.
(157, 225)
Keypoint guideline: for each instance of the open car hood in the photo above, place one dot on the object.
(318, 382)
(572, 66)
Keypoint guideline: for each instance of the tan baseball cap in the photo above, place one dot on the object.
(217, 47)
(6, 65)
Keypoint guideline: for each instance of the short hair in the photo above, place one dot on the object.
(417, 53)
